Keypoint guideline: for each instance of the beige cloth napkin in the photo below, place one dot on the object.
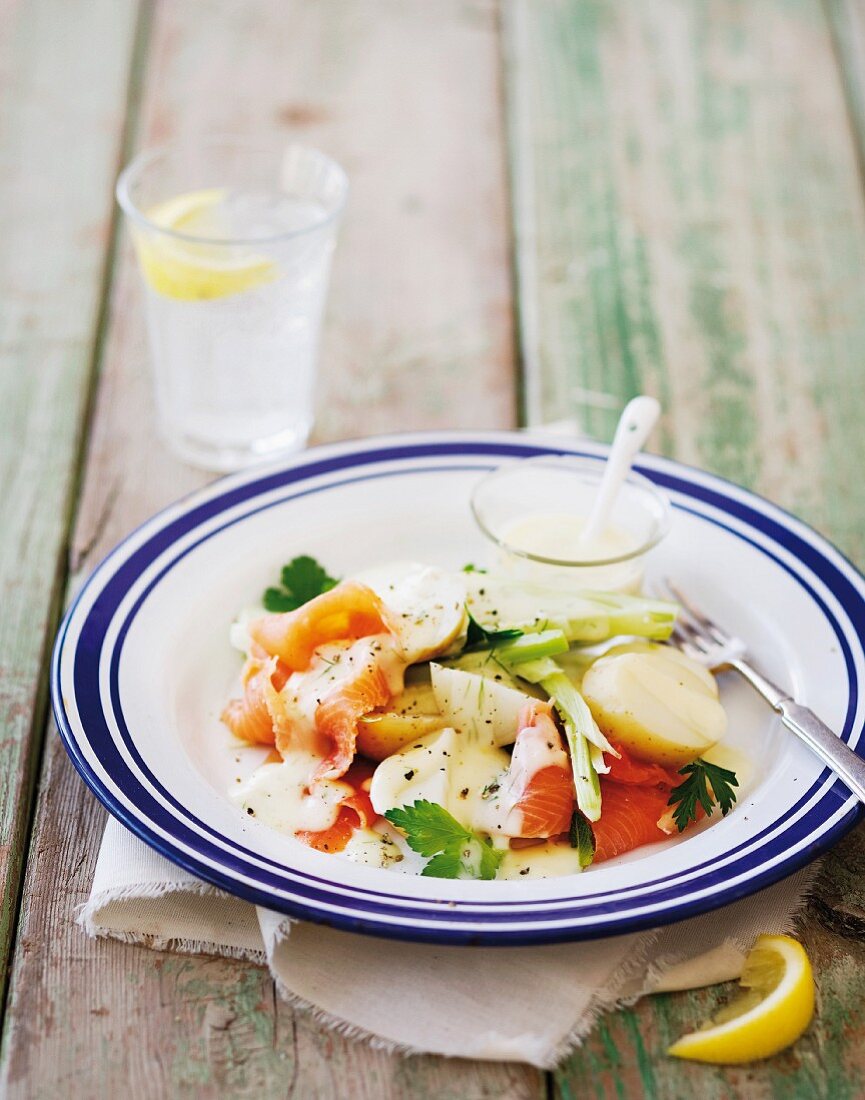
(418, 998)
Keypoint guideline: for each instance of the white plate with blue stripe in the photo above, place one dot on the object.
(142, 667)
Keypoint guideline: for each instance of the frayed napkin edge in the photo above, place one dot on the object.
(600, 1004)
(663, 963)
(327, 1019)
(597, 1007)
(85, 915)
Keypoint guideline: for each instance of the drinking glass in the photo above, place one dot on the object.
(234, 241)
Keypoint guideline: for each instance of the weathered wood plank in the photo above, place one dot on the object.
(405, 95)
(690, 217)
(696, 226)
(625, 1057)
(847, 22)
(56, 171)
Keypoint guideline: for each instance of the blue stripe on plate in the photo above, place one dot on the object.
(180, 808)
(371, 911)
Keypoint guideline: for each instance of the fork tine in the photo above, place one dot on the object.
(699, 617)
(687, 635)
(660, 587)
(686, 621)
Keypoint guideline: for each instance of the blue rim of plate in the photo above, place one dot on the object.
(819, 817)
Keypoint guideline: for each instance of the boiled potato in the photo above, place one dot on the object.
(445, 767)
(657, 703)
(426, 605)
(412, 714)
(691, 668)
(422, 771)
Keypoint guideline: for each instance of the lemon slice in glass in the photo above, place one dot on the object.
(775, 1007)
(181, 267)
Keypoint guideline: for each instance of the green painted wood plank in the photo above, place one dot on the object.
(847, 22)
(61, 120)
(693, 226)
(690, 222)
(405, 93)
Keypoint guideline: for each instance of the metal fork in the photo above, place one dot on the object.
(703, 640)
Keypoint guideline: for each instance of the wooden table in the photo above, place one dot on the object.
(555, 204)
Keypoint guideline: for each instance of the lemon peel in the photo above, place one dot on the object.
(190, 270)
(774, 1009)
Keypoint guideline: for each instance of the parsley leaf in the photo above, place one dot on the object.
(479, 638)
(582, 837)
(470, 567)
(455, 852)
(444, 865)
(302, 580)
(706, 784)
(491, 857)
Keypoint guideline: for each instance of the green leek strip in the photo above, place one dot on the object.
(594, 616)
(581, 729)
(557, 684)
(532, 647)
(585, 777)
(568, 698)
(655, 623)
(601, 766)
(535, 671)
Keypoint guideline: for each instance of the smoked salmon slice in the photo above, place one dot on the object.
(547, 804)
(345, 613)
(629, 817)
(545, 801)
(355, 812)
(337, 714)
(249, 717)
(639, 772)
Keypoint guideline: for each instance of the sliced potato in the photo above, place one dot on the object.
(426, 604)
(412, 714)
(691, 668)
(422, 771)
(486, 709)
(445, 767)
(659, 705)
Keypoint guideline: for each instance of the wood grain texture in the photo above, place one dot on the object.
(61, 116)
(690, 223)
(420, 301)
(847, 23)
(626, 1058)
(695, 229)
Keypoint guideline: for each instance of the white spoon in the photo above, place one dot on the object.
(635, 424)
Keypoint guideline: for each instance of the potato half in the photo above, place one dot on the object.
(658, 704)
(426, 606)
(412, 714)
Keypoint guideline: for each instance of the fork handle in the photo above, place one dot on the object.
(824, 743)
(809, 728)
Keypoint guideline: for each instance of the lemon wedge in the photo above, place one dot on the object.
(191, 270)
(775, 1007)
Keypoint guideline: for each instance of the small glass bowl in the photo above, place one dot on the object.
(567, 486)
